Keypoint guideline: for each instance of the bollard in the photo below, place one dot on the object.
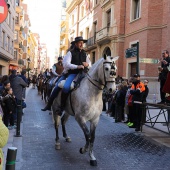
(19, 117)
(11, 158)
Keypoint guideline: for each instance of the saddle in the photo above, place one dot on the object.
(76, 82)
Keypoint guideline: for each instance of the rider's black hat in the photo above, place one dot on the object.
(77, 39)
(136, 75)
(60, 58)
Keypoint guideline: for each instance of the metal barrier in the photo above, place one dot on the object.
(148, 118)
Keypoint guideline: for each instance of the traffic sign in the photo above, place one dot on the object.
(3, 10)
(131, 52)
(149, 60)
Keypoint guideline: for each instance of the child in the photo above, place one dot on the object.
(10, 108)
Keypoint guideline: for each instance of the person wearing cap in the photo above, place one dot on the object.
(137, 91)
(58, 68)
(74, 62)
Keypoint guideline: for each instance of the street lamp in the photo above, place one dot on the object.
(28, 60)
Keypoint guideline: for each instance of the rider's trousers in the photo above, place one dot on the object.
(66, 87)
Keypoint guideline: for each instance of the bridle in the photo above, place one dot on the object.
(112, 72)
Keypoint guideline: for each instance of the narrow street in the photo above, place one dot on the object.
(116, 146)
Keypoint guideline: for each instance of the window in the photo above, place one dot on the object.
(13, 24)
(3, 39)
(8, 44)
(82, 11)
(15, 35)
(72, 20)
(9, 18)
(81, 33)
(17, 19)
(12, 46)
(108, 18)
(135, 9)
(94, 29)
(87, 33)
(17, 2)
(15, 54)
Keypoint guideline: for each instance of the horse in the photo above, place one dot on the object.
(39, 85)
(86, 104)
(34, 81)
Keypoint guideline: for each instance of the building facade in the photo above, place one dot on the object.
(7, 29)
(112, 26)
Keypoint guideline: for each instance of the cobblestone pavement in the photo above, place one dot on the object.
(116, 146)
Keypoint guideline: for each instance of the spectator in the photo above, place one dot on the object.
(120, 103)
(23, 76)
(5, 85)
(10, 109)
(4, 133)
(163, 71)
(17, 84)
(3, 79)
(146, 92)
(137, 90)
(125, 88)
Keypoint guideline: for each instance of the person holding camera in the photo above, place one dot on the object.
(163, 72)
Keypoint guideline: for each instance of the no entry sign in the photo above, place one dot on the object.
(3, 10)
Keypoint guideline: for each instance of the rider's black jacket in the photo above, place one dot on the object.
(77, 58)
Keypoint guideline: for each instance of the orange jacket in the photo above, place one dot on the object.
(140, 85)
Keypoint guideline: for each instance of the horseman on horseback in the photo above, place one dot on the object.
(74, 62)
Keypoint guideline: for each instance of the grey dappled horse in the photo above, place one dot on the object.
(86, 102)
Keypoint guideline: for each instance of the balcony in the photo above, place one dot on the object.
(17, 27)
(91, 43)
(106, 34)
(16, 44)
(18, 9)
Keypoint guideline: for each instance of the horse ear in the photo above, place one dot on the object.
(115, 58)
(105, 56)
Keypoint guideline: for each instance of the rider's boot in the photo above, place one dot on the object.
(53, 95)
(64, 97)
(48, 106)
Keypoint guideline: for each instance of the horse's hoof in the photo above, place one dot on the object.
(68, 139)
(57, 146)
(93, 162)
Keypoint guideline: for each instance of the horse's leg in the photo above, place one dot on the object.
(86, 134)
(56, 124)
(93, 125)
(63, 122)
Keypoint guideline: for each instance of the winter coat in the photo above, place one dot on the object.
(120, 97)
(10, 104)
(4, 134)
(17, 84)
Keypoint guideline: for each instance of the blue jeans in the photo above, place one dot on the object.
(66, 87)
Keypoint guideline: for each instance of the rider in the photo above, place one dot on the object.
(74, 61)
(58, 68)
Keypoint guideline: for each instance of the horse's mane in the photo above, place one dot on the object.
(95, 65)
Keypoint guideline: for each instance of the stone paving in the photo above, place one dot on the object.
(116, 146)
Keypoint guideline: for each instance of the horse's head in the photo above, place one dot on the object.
(109, 68)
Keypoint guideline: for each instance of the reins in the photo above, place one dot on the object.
(105, 81)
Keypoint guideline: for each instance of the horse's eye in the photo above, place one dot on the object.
(106, 69)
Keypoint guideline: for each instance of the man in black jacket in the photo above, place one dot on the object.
(74, 62)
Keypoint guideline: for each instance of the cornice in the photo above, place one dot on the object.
(72, 6)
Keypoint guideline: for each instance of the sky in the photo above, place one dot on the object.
(45, 20)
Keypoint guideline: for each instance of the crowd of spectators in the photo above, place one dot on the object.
(12, 94)
(119, 106)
